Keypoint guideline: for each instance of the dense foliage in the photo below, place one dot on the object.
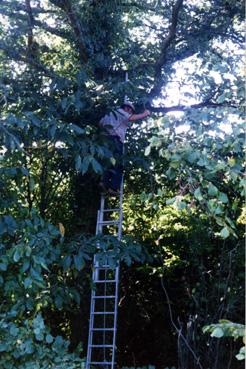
(63, 65)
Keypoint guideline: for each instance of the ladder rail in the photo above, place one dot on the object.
(91, 325)
(104, 317)
(121, 210)
(115, 317)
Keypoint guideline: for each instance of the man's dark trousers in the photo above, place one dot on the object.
(112, 177)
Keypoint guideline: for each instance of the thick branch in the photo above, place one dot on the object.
(170, 37)
(52, 30)
(165, 45)
(167, 109)
(21, 56)
(21, 7)
(66, 6)
(142, 7)
(202, 34)
(30, 40)
(36, 22)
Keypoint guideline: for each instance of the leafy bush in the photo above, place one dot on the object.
(38, 273)
(225, 328)
(28, 344)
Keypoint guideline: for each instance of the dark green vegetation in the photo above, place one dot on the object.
(62, 67)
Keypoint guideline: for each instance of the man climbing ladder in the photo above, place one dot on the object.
(104, 296)
(115, 125)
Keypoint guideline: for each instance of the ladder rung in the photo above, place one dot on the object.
(102, 312)
(108, 210)
(104, 297)
(100, 362)
(107, 194)
(102, 329)
(101, 346)
(105, 267)
(106, 281)
(109, 222)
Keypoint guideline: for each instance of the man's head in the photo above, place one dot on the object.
(128, 107)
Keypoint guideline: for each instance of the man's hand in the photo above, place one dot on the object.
(146, 112)
(134, 117)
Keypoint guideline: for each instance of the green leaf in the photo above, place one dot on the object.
(218, 210)
(198, 194)
(49, 338)
(38, 321)
(29, 346)
(241, 354)
(39, 337)
(174, 164)
(64, 103)
(36, 275)
(224, 233)
(28, 250)
(78, 162)
(3, 266)
(147, 150)
(201, 162)
(223, 198)
(78, 262)
(2, 227)
(31, 184)
(25, 266)
(96, 166)
(76, 296)
(181, 205)
(230, 222)
(27, 282)
(52, 131)
(220, 221)
(14, 330)
(3, 347)
(77, 129)
(192, 157)
(171, 174)
(58, 301)
(221, 99)
(24, 171)
(85, 164)
(113, 161)
(171, 201)
(66, 262)
(17, 255)
(217, 332)
(212, 190)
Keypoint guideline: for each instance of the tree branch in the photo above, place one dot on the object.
(179, 331)
(20, 56)
(31, 49)
(170, 37)
(52, 30)
(141, 7)
(67, 7)
(36, 22)
(20, 7)
(194, 40)
(184, 108)
(29, 56)
(165, 45)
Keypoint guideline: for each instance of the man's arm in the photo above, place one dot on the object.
(134, 117)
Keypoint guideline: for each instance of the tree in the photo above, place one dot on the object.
(63, 65)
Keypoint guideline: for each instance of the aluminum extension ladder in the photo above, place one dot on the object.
(104, 297)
